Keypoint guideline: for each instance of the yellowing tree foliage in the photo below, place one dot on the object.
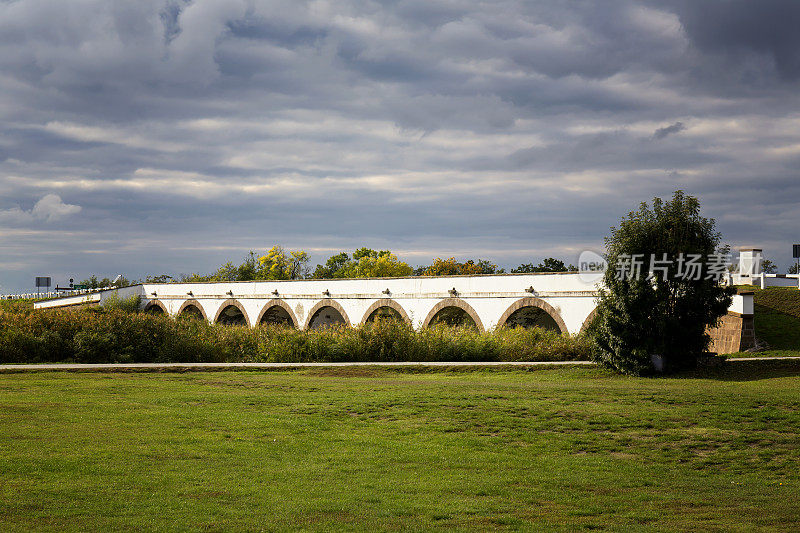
(277, 264)
(366, 263)
(451, 267)
(383, 264)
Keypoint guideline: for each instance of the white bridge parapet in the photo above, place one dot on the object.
(489, 299)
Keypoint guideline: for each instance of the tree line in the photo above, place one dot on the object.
(281, 264)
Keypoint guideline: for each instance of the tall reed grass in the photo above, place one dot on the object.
(114, 335)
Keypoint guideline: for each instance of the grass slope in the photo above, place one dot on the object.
(776, 321)
(779, 330)
(783, 299)
(367, 449)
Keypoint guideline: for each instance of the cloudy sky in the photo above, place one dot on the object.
(165, 136)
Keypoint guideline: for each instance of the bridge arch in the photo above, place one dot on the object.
(532, 301)
(187, 307)
(231, 317)
(327, 302)
(454, 302)
(156, 307)
(276, 302)
(588, 320)
(386, 302)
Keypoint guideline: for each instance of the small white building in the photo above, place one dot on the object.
(751, 272)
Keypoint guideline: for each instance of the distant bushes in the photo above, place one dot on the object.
(114, 335)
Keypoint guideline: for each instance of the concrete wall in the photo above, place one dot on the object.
(735, 333)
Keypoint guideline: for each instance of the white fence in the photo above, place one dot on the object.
(30, 295)
(767, 280)
(49, 294)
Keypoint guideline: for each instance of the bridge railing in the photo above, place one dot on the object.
(49, 294)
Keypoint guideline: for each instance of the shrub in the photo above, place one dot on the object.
(130, 304)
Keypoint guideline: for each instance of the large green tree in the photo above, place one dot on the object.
(335, 267)
(550, 264)
(655, 308)
(366, 263)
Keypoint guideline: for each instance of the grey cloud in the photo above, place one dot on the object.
(677, 127)
(735, 27)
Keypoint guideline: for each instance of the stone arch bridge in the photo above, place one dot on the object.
(560, 301)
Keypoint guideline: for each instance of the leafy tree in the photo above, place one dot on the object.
(768, 266)
(367, 252)
(444, 267)
(334, 267)
(278, 264)
(383, 264)
(792, 269)
(485, 266)
(93, 282)
(550, 264)
(250, 269)
(366, 263)
(525, 268)
(123, 282)
(163, 278)
(452, 267)
(194, 278)
(640, 318)
(227, 272)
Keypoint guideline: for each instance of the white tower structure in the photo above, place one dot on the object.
(750, 261)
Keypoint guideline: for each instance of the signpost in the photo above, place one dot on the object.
(796, 255)
(42, 281)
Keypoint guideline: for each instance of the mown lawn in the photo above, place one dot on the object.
(366, 449)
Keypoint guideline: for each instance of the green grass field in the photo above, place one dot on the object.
(365, 449)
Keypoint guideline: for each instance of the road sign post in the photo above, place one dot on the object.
(42, 281)
(796, 255)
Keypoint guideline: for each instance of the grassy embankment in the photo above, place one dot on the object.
(367, 449)
(777, 321)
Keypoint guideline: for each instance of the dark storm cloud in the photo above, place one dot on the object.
(660, 133)
(169, 136)
(736, 27)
